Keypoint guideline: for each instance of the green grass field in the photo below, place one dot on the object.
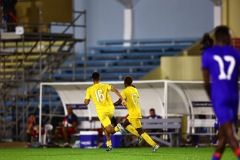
(115, 154)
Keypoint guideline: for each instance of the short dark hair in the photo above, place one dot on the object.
(128, 80)
(95, 76)
(152, 110)
(222, 35)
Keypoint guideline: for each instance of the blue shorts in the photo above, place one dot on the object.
(226, 110)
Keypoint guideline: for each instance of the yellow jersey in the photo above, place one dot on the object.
(100, 96)
(130, 95)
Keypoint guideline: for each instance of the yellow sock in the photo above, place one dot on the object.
(132, 130)
(116, 129)
(148, 139)
(109, 143)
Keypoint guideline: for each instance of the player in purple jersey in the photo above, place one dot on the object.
(220, 63)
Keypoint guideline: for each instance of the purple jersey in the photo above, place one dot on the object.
(223, 63)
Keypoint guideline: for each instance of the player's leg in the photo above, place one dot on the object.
(115, 127)
(227, 131)
(69, 131)
(56, 135)
(127, 125)
(108, 131)
(235, 114)
(146, 137)
(235, 126)
(108, 139)
(114, 121)
(230, 133)
(220, 146)
(137, 124)
(65, 136)
(29, 138)
(226, 116)
(107, 127)
(106, 122)
(118, 126)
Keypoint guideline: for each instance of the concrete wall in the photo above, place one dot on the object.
(230, 16)
(173, 18)
(178, 68)
(154, 74)
(152, 18)
(52, 11)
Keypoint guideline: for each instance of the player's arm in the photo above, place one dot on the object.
(115, 90)
(205, 71)
(87, 97)
(118, 102)
(206, 79)
(86, 101)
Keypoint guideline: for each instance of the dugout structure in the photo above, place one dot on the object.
(169, 98)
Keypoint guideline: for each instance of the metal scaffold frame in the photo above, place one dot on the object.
(18, 82)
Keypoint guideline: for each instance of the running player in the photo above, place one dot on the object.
(133, 123)
(221, 63)
(104, 106)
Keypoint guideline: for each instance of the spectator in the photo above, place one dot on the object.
(153, 115)
(32, 130)
(9, 14)
(67, 127)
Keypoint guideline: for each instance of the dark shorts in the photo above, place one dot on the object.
(226, 110)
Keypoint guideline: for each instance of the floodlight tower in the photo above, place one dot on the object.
(128, 19)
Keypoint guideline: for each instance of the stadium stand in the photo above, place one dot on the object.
(114, 60)
(33, 57)
(147, 41)
(20, 66)
(26, 60)
(112, 64)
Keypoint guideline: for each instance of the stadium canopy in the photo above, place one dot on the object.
(168, 98)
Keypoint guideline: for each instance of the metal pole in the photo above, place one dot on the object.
(165, 99)
(85, 46)
(40, 39)
(40, 113)
(4, 98)
(23, 79)
(74, 56)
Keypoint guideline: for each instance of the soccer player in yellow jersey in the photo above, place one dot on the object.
(133, 123)
(98, 92)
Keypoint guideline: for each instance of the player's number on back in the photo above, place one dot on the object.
(99, 95)
(223, 75)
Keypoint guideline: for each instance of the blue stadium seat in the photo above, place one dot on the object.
(148, 41)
